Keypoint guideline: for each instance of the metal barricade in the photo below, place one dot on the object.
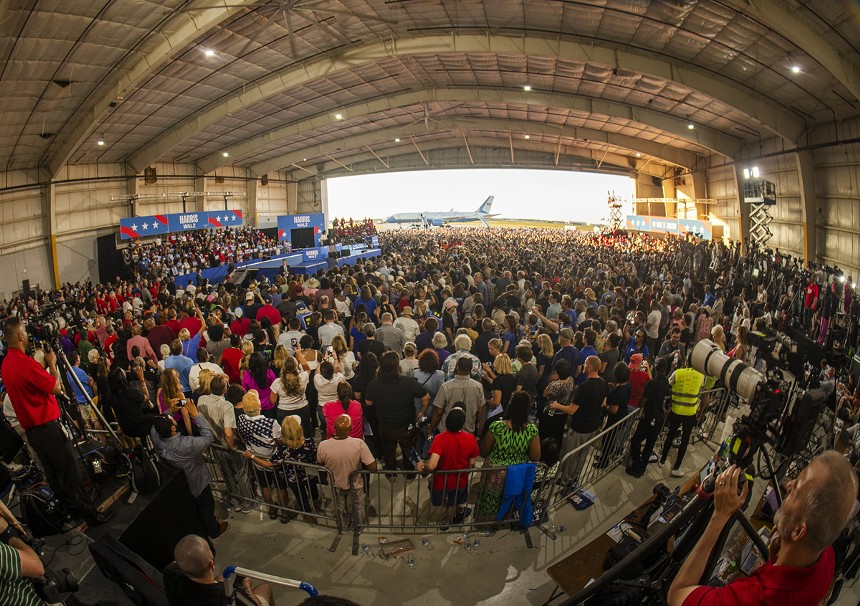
(237, 596)
(286, 491)
(456, 500)
(592, 460)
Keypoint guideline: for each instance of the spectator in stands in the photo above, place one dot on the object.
(330, 329)
(142, 343)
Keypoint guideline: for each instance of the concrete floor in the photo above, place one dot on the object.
(501, 571)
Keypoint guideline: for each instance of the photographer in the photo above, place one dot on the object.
(800, 569)
(31, 391)
(18, 564)
(186, 453)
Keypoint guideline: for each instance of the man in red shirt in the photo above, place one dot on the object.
(815, 510)
(809, 299)
(31, 391)
(452, 449)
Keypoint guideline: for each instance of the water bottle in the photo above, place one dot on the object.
(467, 546)
(365, 548)
(427, 543)
(476, 544)
(410, 561)
(555, 528)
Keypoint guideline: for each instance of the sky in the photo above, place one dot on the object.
(519, 193)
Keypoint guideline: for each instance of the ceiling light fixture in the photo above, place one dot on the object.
(795, 69)
(225, 154)
(638, 155)
(209, 53)
(304, 159)
(397, 140)
(691, 126)
(528, 136)
(527, 88)
(338, 116)
(101, 141)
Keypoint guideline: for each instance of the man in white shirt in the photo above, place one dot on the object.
(330, 329)
(202, 363)
(219, 412)
(407, 324)
(290, 339)
(652, 328)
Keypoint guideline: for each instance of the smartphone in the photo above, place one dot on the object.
(181, 403)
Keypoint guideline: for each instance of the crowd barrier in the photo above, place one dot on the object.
(404, 502)
(285, 491)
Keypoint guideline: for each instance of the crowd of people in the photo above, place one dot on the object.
(513, 345)
(184, 253)
(343, 229)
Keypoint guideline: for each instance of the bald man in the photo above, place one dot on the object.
(191, 579)
(815, 510)
(343, 455)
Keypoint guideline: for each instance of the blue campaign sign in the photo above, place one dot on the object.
(154, 225)
(314, 254)
(287, 223)
(189, 221)
(680, 227)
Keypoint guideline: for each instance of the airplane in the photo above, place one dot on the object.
(441, 218)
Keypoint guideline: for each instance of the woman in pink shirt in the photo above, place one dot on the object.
(345, 404)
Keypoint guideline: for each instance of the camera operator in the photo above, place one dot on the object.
(32, 392)
(18, 564)
(800, 569)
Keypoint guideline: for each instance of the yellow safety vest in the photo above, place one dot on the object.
(685, 391)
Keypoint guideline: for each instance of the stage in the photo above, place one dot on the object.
(305, 262)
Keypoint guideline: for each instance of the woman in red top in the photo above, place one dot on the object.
(231, 359)
(451, 449)
(346, 404)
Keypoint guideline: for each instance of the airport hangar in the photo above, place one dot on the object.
(115, 108)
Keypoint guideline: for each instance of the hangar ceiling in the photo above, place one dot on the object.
(291, 84)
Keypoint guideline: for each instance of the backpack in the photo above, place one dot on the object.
(143, 474)
(41, 511)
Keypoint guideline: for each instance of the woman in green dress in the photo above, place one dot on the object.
(509, 441)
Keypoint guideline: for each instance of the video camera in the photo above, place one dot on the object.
(766, 395)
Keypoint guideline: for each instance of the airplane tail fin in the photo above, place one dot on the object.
(486, 206)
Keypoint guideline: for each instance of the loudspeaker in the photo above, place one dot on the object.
(264, 180)
(170, 515)
(219, 179)
(150, 177)
(25, 286)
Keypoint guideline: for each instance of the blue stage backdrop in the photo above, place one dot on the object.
(680, 227)
(155, 225)
(287, 223)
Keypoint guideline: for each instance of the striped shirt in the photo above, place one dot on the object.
(15, 590)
